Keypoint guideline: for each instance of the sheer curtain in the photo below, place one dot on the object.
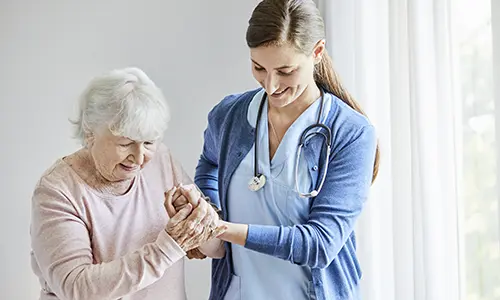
(395, 57)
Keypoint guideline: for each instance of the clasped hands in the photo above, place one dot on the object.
(193, 221)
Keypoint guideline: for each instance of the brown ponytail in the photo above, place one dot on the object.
(299, 23)
(326, 77)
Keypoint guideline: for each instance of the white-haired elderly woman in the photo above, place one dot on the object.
(99, 227)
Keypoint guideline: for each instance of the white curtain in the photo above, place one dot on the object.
(395, 57)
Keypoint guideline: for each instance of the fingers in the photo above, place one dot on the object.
(207, 235)
(169, 207)
(180, 202)
(181, 215)
(210, 220)
(177, 193)
(192, 193)
(197, 215)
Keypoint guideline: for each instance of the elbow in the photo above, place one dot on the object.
(320, 258)
(323, 247)
(323, 260)
(319, 261)
(74, 293)
(75, 289)
(320, 253)
(326, 251)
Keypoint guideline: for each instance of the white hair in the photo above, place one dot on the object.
(126, 102)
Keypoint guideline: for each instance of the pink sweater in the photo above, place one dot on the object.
(94, 246)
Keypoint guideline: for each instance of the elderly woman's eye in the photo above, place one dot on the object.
(126, 145)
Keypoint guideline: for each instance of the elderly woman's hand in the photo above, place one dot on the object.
(182, 195)
(192, 227)
(190, 194)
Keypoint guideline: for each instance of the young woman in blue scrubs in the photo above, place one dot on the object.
(289, 222)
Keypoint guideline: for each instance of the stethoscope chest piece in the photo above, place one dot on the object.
(257, 182)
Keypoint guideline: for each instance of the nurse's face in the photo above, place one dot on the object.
(284, 72)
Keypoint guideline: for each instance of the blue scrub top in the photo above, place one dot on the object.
(260, 276)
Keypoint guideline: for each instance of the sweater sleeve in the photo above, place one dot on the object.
(333, 213)
(62, 248)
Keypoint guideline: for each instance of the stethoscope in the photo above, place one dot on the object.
(259, 180)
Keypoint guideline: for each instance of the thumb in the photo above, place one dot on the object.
(169, 206)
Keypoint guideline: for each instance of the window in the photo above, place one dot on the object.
(480, 226)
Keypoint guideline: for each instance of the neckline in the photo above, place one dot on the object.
(283, 151)
(98, 193)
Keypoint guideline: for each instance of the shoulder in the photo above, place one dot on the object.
(59, 176)
(232, 102)
(229, 114)
(348, 125)
(57, 186)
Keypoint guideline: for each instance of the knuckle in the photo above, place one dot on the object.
(190, 225)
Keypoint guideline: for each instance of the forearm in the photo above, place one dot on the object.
(299, 244)
(235, 233)
(73, 275)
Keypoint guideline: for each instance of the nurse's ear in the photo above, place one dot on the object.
(318, 51)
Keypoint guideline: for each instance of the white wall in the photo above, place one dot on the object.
(195, 52)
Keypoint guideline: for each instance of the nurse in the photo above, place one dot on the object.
(290, 221)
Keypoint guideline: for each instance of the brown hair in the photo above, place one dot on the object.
(299, 23)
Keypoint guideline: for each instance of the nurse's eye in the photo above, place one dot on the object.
(283, 73)
(258, 69)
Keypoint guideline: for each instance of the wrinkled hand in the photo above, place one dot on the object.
(183, 195)
(192, 227)
(189, 194)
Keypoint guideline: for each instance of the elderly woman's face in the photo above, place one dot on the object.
(119, 158)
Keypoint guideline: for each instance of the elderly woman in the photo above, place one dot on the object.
(99, 227)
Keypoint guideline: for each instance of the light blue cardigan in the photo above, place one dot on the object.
(326, 243)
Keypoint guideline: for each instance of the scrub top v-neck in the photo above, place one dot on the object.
(256, 275)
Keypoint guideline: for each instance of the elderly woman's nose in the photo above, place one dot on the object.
(138, 154)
